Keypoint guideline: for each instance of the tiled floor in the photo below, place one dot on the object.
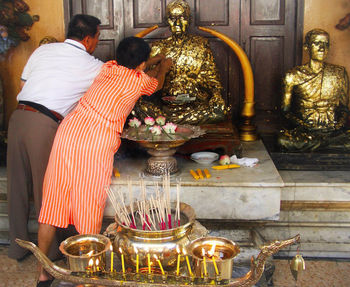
(318, 273)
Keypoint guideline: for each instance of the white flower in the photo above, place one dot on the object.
(156, 130)
(170, 128)
(160, 120)
(134, 123)
(149, 121)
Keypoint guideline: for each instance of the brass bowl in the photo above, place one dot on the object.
(162, 243)
(80, 249)
(225, 251)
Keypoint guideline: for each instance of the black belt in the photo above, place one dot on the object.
(30, 106)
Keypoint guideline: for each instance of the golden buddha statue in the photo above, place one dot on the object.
(315, 101)
(192, 90)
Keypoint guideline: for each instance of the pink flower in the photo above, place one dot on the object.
(224, 159)
(170, 128)
(134, 123)
(149, 121)
(160, 120)
(156, 130)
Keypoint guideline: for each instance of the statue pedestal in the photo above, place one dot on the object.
(223, 136)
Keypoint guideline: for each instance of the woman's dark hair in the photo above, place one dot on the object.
(82, 25)
(132, 51)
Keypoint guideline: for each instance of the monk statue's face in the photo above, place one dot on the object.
(318, 47)
(178, 21)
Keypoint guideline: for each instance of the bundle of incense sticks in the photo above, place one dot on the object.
(152, 213)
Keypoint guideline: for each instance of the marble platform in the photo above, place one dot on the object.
(245, 193)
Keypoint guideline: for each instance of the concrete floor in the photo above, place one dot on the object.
(318, 273)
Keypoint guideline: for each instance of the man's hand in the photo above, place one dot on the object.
(165, 65)
(155, 60)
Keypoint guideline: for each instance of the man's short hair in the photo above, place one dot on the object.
(132, 51)
(82, 25)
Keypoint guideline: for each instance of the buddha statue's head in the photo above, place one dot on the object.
(178, 16)
(317, 44)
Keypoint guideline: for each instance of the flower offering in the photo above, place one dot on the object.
(161, 120)
(170, 128)
(156, 130)
(134, 123)
(149, 121)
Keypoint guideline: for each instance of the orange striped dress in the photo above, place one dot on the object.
(81, 160)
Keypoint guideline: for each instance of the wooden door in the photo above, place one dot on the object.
(268, 30)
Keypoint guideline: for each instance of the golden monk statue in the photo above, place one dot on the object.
(315, 101)
(192, 90)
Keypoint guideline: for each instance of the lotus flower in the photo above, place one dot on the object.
(224, 159)
(134, 123)
(170, 128)
(160, 120)
(149, 121)
(156, 130)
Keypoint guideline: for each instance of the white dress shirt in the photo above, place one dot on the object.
(58, 74)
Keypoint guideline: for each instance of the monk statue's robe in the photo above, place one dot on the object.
(317, 115)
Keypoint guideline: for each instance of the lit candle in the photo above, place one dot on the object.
(97, 263)
(111, 248)
(204, 262)
(91, 263)
(178, 260)
(160, 264)
(211, 252)
(122, 258)
(137, 259)
(188, 263)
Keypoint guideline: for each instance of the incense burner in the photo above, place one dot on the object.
(165, 244)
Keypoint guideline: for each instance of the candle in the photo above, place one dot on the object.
(188, 263)
(149, 263)
(178, 260)
(137, 259)
(207, 173)
(160, 264)
(122, 258)
(204, 262)
(214, 263)
(200, 174)
(111, 248)
(91, 263)
(97, 263)
(211, 252)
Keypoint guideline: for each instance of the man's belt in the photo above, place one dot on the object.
(37, 108)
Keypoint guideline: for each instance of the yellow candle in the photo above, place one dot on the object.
(149, 263)
(200, 174)
(137, 260)
(194, 174)
(122, 259)
(111, 258)
(214, 263)
(91, 263)
(160, 264)
(178, 260)
(188, 264)
(207, 173)
(204, 262)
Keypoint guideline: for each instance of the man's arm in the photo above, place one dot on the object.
(159, 72)
(22, 84)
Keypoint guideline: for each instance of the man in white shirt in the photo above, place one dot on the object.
(53, 80)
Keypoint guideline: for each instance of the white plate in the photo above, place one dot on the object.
(204, 157)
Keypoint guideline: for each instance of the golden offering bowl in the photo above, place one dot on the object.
(223, 251)
(86, 252)
(161, 244)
